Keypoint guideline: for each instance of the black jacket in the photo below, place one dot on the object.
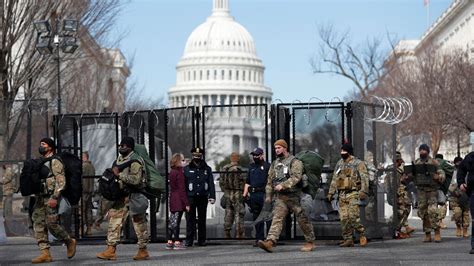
(465, 173)
(199, 180)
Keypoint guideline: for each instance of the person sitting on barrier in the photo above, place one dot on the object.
(178, 200)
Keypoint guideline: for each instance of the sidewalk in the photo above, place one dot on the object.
(452, 251)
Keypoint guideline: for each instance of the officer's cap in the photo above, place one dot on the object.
(257, 152)
(197, 150)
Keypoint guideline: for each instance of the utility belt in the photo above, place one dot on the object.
(256, 189)
(347, 184)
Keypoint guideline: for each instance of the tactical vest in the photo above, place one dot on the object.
(424, 173)
(282, 173)
(124, 166)
(233, 179)
(347, 176)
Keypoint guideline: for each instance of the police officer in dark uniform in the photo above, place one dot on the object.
(200, 190)
(255, 185)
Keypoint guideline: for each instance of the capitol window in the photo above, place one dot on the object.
(230, 74)
(237, 75)
(243, 75)
(222, 74)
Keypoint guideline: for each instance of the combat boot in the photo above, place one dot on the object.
(363, 241)
(458, 230)
(309, 246)
(427, 237)
(226, 233)
(44, 257)
(437, 237)
(142, 254)
(465, 234)
(89, 230)
(347, 243)
(108, 254)
(409, 229)
(71, 247)
(266, 245)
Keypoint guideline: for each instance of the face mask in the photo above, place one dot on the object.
(423, 156)
(124, 151)
(281, 155)
(257, 160)
(345, 155)
(42, 150)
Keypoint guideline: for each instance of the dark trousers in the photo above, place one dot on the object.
(471, 207)
(256, 202)
(174, 224)
(199, 204)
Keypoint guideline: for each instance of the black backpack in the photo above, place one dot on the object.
(73, 171)
(109, 186)
(32, 175)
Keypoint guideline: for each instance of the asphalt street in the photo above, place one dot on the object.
(452, 251)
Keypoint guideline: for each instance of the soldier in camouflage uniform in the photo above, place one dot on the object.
(8, 190)
(129, 169)
(351, 181)
(428, 186)
(404, 202)
(458, 203)
(88, 171)
(45, 212)
(284, 177)
(232, 183)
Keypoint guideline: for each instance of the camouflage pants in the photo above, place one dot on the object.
(404, 207)
(284, 203)
(118, 215)
(234, 211)
(7, 205)
(105, 206)
(443, 210)
(349, 214)
(46, 219)
(370, 209)
(428, 209)
(461, 215)
(87, 201)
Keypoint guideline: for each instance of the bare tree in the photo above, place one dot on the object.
(363, 66)
(20, 64)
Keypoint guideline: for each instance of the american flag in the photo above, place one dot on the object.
(426, 2)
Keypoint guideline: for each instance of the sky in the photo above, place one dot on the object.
(284, 31)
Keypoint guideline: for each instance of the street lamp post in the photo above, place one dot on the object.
(50, 40)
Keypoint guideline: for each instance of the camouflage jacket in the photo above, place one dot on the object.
(88, 183)
(353, 169)
(132, 175)
(56, 180)
(286, 172)
(8, 182)
(233, 179)
(439, 174)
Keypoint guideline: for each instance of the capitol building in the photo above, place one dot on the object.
(220, 66)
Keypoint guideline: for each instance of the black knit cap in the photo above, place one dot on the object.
(424, 147)
(129, 142)
(348, 147)
(49, 141)
(457, 159)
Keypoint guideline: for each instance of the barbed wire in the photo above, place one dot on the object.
(394, 109)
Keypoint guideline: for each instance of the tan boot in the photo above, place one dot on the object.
(465, 234)
(266, 245)
(309, 246)
(108, 254)
(142, 254)
(409, 229)
(347, 243)
(363, 241)
(44, 257)
(458, 230)
(437, 237)
(89, 230)
(427, 237)
(227, 234)
(71, 248)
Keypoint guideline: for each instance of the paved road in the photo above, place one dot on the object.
(452, 251)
